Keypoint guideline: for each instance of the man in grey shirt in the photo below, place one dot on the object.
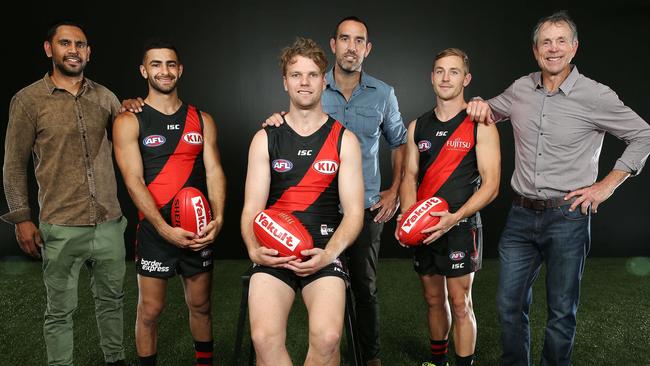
(559, 117)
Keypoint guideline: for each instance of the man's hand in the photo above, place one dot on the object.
(592, 196)
(177, 236)
(207, 235)
(447, 221)
(132, 105)
(398, 219)
(269, 257)
(29, 238)
(388, 205)
(480, 111)
(319, 258)
(275, 120)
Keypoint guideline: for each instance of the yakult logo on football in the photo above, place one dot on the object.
(153, 140)
(276, 231)
(199, 212)
(459, 144)
(281, 165)
(424, 145)
(419, 212)
(326, 166)
(193, 138)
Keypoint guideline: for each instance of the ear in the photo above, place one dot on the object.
(467, 79)
(48, 49)
(284, 83)
(88, 55)
(143, 72)
(333, 44)
(368, 48)
(324, 83)
(180, 70)
(432, 82)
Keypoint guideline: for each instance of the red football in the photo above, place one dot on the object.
(190, 210)
(283, 232)
(417, 218)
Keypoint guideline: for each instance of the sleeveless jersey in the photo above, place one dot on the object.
(447, 165)
(172, 153)
(304, 172)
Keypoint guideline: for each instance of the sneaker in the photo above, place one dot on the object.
(433, 364)
(118, 363)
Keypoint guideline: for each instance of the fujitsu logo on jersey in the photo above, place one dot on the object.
(199, 212)
(153, 140)
(419, 211)
(459, 144)
(281, 165)
(326, 166)
(276, 231)
(193, 138)
(424, 145)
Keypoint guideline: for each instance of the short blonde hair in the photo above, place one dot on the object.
(303, 47)
(453, 52)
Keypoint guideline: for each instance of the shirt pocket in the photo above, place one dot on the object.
(368, 121)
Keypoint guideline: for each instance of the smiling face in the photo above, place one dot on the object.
(449, 77)
(304, 81)
(350, 46)
(161, 69)
(68, 50)
(555, 48)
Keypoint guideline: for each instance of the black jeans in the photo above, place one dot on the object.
(363, 258)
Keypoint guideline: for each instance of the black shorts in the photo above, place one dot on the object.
(336, 269)
(155, 257)
(454, 254)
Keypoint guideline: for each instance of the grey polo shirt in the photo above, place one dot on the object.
(559, 136)
(371, 112)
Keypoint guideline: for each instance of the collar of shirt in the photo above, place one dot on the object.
(365, 81)
(51, 87)
(567, 84)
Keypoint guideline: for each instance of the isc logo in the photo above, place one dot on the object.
(153, 140)
(193, 138)
(326, 166)
(424, 145)
(458, 266)
(281, 165)
(441, 133)
(304, 152)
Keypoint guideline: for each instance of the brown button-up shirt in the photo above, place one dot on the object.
(67, 137)
(559, 135)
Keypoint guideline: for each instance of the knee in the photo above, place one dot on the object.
(149, 312)
(461, 307)
(199, 308)
(434, 300)
(266, 341)
(325, 342)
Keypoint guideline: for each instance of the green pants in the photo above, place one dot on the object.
(66, 249)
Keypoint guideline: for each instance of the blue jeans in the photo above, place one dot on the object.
(561, 239)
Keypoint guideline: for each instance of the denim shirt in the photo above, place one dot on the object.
(371, 110)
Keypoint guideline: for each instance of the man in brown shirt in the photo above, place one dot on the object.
(61, 121)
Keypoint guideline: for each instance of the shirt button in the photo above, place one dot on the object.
(541, 133)
(540, 154)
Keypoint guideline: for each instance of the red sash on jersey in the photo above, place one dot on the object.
(310, 187)
(452, 153)
(177, 170)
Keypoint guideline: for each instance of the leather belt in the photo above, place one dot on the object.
(539, 205)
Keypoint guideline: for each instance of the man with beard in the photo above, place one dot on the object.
(451, 157)
(367, 107)
(62, 120)
(168, 146)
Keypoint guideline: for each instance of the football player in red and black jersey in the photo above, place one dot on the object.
(308, 167)
(450, 156)
(166, 147)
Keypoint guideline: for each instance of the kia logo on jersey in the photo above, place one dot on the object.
(193, 138)
(281, 165)
(153, 140)
(424, 145)
(326, 166)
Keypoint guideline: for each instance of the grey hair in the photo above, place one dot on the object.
(557, 17)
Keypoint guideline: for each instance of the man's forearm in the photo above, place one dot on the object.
(397, 158)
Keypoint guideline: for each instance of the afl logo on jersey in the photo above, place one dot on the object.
(424, 145)
(281, 165)
(193, 138)
(326, 166)
(456, 256)
(153, 140)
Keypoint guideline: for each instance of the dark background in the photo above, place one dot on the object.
(230, 52)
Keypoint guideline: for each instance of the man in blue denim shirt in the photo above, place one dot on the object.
(368, 107)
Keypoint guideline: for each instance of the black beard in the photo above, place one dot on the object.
(67, 72)
(161, 90)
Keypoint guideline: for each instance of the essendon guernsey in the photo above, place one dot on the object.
(172, 153)
(447, 166)
(304, 172)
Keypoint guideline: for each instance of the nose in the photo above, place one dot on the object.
(445, 76)
(304, 80)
